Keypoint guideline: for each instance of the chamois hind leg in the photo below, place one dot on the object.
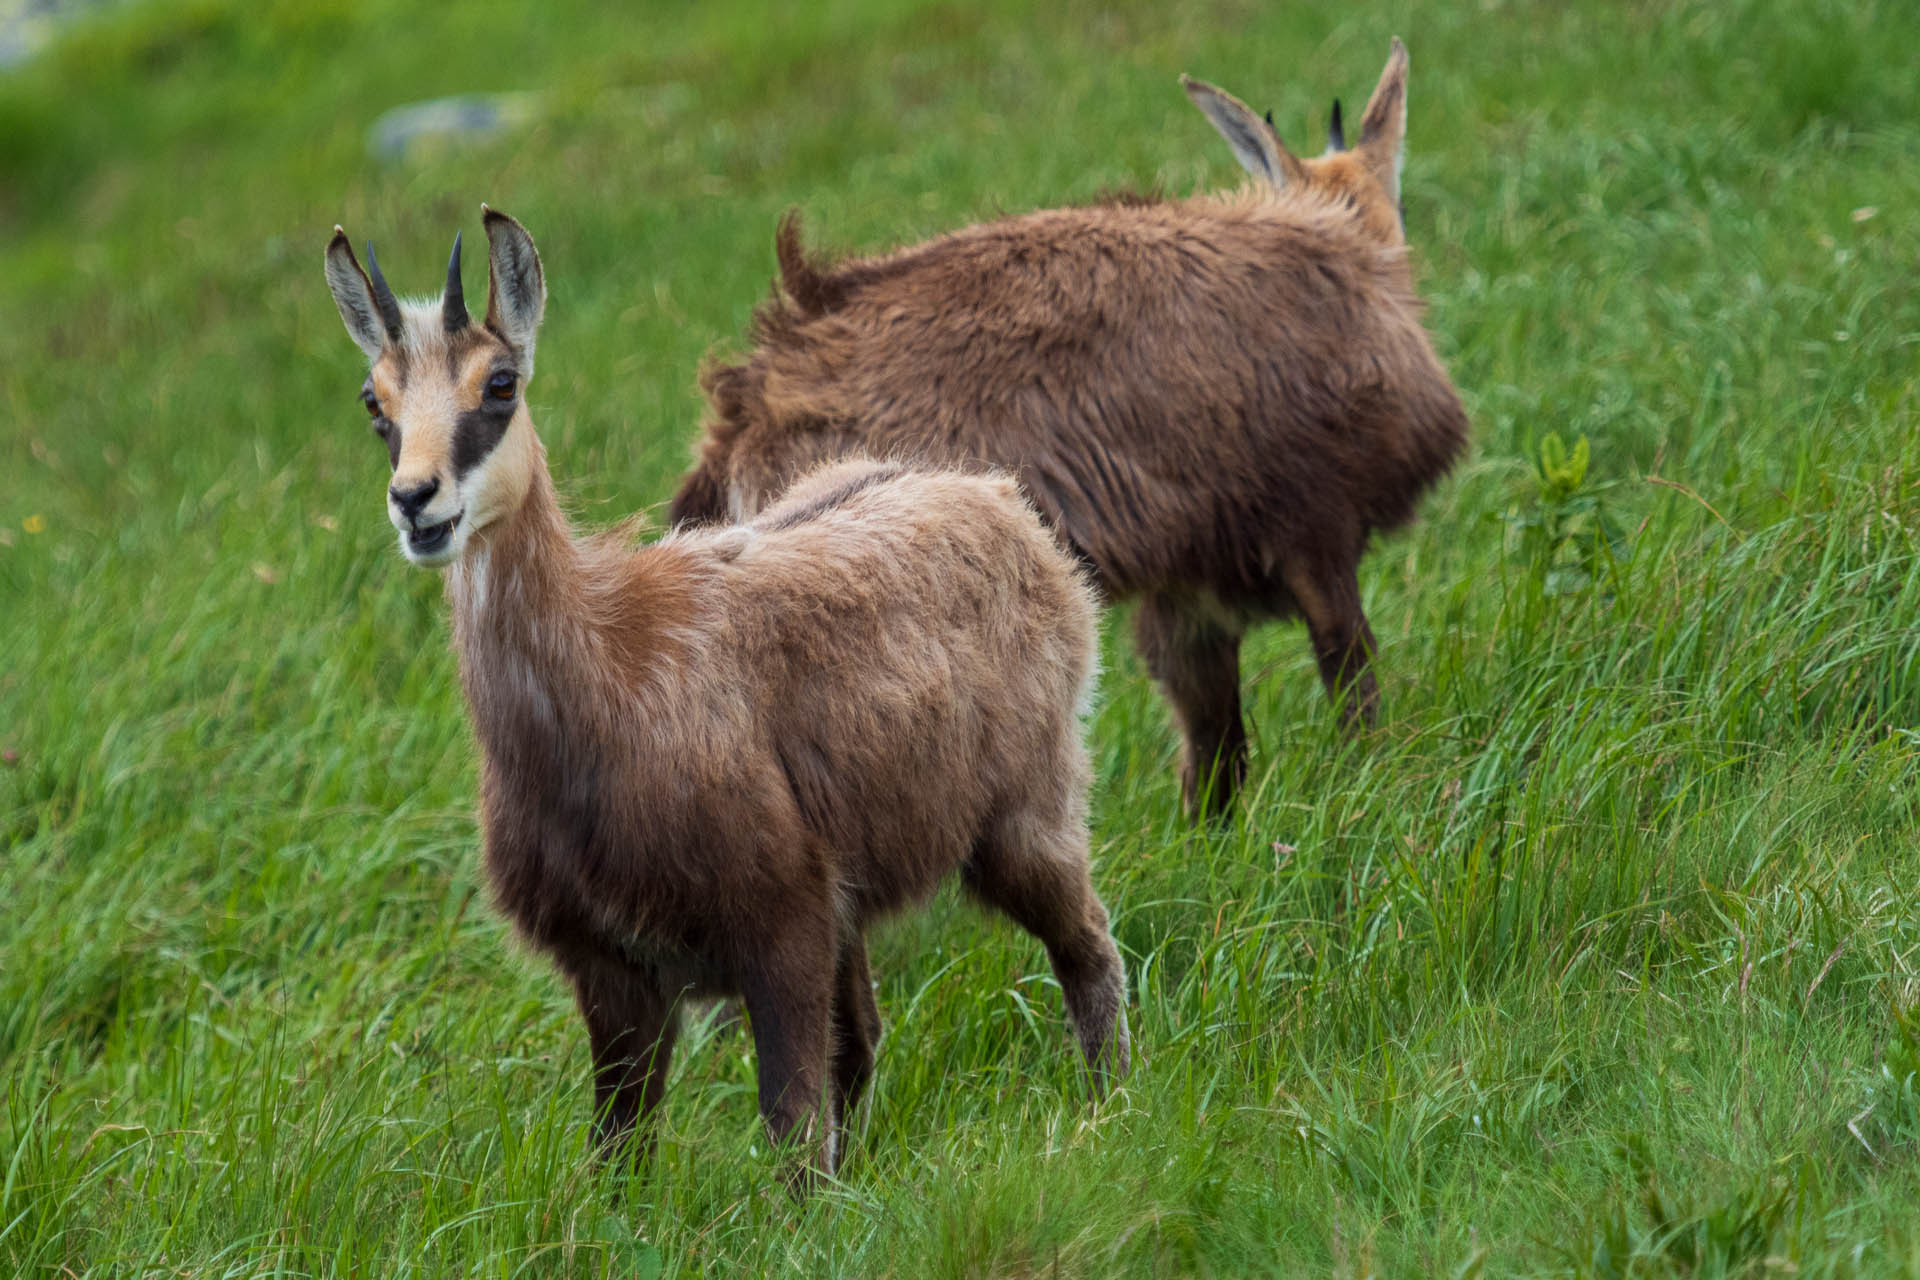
(1196, 661)
(789, 996)
(856, 1030)
(631, 1025)
(1037, 874)
(1328, 594)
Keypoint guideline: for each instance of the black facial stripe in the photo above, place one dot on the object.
(477, 431)
(392, 437)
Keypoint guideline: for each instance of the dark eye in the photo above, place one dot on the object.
(502, 385)
(372, 402)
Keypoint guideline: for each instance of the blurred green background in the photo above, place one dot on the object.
(1601, 957)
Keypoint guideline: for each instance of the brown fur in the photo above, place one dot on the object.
(1214, 401)
(709, 764)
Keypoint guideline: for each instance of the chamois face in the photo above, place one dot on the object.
(1367, 176)
(446, 395)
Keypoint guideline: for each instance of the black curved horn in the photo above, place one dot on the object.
(383, 297)
(453, 303)
(1336, 134)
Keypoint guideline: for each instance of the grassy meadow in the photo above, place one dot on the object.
(1600, 957)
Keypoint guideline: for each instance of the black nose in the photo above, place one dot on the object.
(410, 501)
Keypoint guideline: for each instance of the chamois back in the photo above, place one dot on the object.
(1213, 401)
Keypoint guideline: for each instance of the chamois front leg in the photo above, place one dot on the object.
(789, 993)
(632, 1023)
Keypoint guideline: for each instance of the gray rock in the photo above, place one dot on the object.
(27, 25)
(443, 122)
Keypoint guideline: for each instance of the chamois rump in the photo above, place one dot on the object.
(709, 763)
(1213, 401)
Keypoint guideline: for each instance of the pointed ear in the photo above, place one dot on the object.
(1383, 129)
(353, 294)
(1255, 143)
(518, 293)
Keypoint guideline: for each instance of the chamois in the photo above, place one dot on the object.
(1213, 401)
(709, 763)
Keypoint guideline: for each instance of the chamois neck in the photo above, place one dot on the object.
(520, 572)
(559, 636)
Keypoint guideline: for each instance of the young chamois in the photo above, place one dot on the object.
(1213, 401)
(708, 764)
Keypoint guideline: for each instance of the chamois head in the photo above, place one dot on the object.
(447, 395)
(1368, 174)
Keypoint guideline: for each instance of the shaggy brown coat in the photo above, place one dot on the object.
(1213, 401)
(708, 764)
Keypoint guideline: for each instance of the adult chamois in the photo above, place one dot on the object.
(1213, 401)
(707, 764)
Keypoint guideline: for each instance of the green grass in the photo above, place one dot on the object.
(1601, 957)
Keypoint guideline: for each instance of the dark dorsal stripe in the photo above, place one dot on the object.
(786, 517)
